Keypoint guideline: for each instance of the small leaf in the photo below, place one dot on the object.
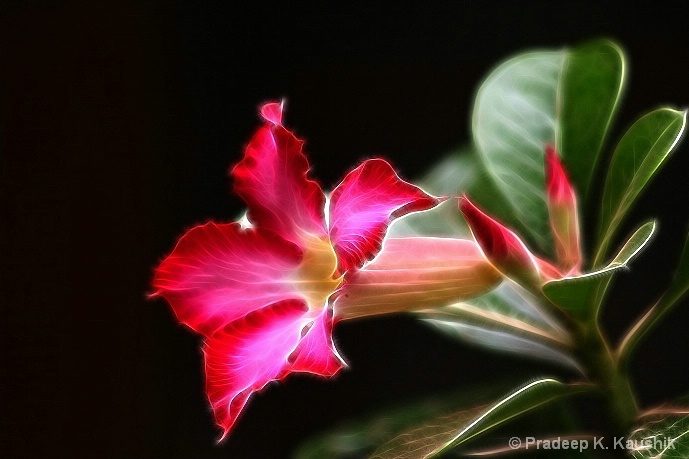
(663, 436)
(642, 150)
(582, 295)
(508, 319)
(451, 430)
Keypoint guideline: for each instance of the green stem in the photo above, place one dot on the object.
(602, 369)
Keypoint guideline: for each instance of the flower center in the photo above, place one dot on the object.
(315, 278)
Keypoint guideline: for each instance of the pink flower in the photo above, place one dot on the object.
(260, 295)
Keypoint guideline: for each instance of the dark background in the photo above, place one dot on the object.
(119, 121)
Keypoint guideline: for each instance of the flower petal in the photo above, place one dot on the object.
(219, 273)
(272, 112)
(363, 205)
(316, 352)
(247, 354)
(272, 180)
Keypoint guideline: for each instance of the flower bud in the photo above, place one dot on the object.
(562, 208)
(502, 246)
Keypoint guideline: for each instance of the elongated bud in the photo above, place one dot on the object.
(416, 273)
(562, 208)
(501, 245)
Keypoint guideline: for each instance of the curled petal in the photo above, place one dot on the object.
(272, 112)
(417, 273)
(364, 204)
(219, 273)
(247, 354)
(272, 180)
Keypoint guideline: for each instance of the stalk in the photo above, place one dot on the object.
(603, 369)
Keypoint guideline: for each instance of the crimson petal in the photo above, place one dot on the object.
(219, 273)
(272, 180)
(363, 205)
(247, 354)
(264, 346)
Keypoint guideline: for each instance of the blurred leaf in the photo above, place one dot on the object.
(592, 82)
(582, 295)
(359, 438)
(638, 156)
(505, 450)
(508, 319)
(451, 177)
(565, 97)
(663, 436)
(449, 431)
(677, 289)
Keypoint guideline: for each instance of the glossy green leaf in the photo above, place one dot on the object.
(592, 82)
(581, 295)
(661, 436)
(642, 150)
(565, 97)
(451, 430)
(508, 319)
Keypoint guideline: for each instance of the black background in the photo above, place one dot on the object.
(119, 121)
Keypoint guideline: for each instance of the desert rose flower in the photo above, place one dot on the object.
(260, 294)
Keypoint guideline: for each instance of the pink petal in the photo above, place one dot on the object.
(247, 354)
(264, 346)
(272, 179)
(219, 273)
(316, 352)
(364, 204)
(272, 112)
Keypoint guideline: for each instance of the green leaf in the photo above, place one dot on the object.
(359, 438)
(675, 292)
(449, 431)
(642, 150)
(592, 82)
(660, 436)
(508, 319)
(564, 97)
(581, 295)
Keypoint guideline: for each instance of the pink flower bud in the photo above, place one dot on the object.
(501, 245)
(562, 207)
